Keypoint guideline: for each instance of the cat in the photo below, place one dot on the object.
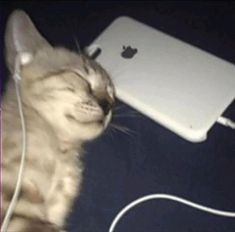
(67, 100)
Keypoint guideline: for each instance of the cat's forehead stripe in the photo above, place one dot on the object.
(51, 74)
(86, 69)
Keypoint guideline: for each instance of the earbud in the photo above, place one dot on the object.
(25, 58)
(22, 58)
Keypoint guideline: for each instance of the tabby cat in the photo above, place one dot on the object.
(67, 100)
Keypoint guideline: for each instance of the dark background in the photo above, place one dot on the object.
(150, 159)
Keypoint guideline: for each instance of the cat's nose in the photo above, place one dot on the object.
(105, 105)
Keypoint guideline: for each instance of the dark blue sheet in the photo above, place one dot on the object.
(150, 159)
(121, 168)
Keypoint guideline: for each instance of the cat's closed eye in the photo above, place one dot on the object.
(70, 89)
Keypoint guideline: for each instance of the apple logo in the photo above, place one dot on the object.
(128, 52)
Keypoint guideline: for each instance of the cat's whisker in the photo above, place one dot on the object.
(119, 107)
(77, 45)
(126, 115)
(110, 132)
(129, 112)
(122, 129)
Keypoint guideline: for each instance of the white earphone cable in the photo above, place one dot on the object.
(14, 199)
(168, 197)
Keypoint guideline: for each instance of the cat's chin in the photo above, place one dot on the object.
(91, 131)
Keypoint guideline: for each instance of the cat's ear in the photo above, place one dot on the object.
(21, 36)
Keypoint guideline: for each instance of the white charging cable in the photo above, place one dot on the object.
(167, 197)
(24, 58)
(226, 122)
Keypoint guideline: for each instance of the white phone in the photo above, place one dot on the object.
(176, 84)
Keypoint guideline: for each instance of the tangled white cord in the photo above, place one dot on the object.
(168, 197)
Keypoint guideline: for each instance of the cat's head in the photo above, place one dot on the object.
(72, 92)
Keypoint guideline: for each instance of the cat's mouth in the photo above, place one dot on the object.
(103, 122)
(100, 121)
